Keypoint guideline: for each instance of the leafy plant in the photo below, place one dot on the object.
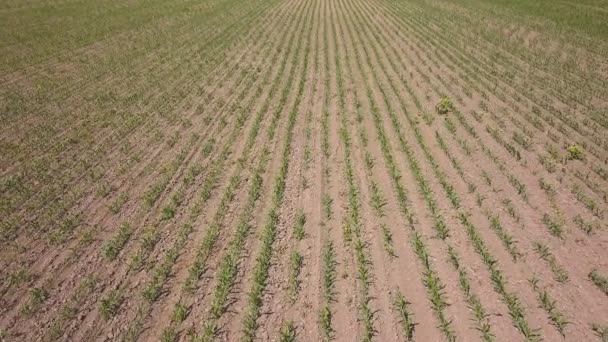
(600, 280)
(298, 230)
(326, 202)
(295, 265)
(405, 316)
(287, 332)
(444, 106)
(110, 304)
(112, 247)
(575, 152)
(180, 312)
(37, 296)
(559, 273)
(549, 305)
(387, 238)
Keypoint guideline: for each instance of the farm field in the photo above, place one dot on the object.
(290, 170)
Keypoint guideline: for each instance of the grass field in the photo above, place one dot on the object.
(289, 170)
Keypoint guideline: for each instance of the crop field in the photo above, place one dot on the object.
(304, 170)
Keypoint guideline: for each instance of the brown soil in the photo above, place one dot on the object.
(356, 74)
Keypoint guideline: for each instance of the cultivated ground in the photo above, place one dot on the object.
(289, 170)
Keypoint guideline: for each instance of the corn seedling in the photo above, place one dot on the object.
(549, 305)
(110, 304)
(287, 333)
(298, 230)
(600, 280)
(112, 247)
(295, 266)
(401, 306)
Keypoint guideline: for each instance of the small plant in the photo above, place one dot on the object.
(326, 202)
(504, 236)
(444, 106)
(295, 266)
(554, 224)
(600, 280)
(180, 312)
(329, 278)
(207, 148)
(149, 239)
(547, 188)
(167, 213)
(168, 335)
(575, 152)
(19, 277)
(587, 201)
(511, 209)
(118, 203)
(377, 200)
(559, 274)
(387, 238)
(325, 322)
(428, 118)
(307, 156)
(109, 305)
(405, 316)
(600, 331)
(522, 140)
(298, 230)
(479, 312)
(549, 305)
(287, 332)
(104, 189)
(112, 247)
(37, 297)
(369, 161)
(585, 226)
(449, 124)
(192, 173)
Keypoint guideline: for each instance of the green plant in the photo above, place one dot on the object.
(387, 238)
(377, 200)
(325, 317)
(504, 236)
(587, 227)
(118, 203)
(444, 106)
(600, 331)
(522, 140)
(298, 230)
(549, 305)
(295, 265)
(110, 304)
(554, 224)
(180, 312)
(575, 152)
(480, 314)
(600, 280)
(511, 209)
(269, 231)
(559, 273)
(287, 332)
(19, 276)
(112, 247)
(328, 271)
(326, 202)
(37, 296)
(168, 335)
(405, 316)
